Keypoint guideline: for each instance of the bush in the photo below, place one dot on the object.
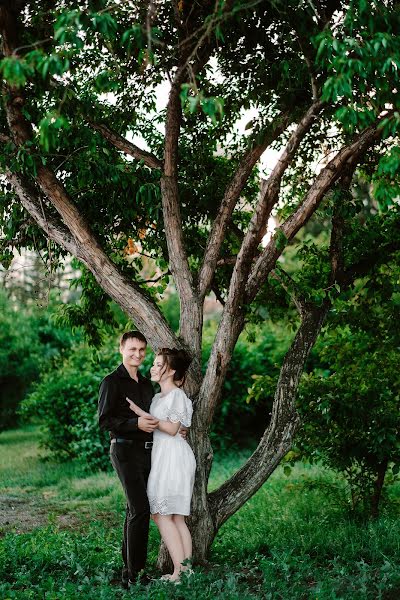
(65, 402)
(29, 344)
(349, 404)
(351, 414)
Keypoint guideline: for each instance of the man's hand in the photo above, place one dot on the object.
(147, 424)
(183, 431)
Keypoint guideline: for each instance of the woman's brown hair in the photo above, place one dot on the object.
(177, 360)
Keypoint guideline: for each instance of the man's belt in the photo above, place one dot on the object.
(118, 440)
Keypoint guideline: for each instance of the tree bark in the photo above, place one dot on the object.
(231, 196)
(83, 245)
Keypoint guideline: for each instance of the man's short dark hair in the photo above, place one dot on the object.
(130, 335)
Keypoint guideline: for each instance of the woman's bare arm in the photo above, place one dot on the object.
(169, 427)
(136, 409)
(165, 426)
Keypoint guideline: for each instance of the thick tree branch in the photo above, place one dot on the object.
(346, 156)
(80, 242)
(268, 198)
(277, 439)
(195, 52)
(149, 159)
(232, 319)
(143, 311)
(34, 205)
(231, 196)
(191, 314)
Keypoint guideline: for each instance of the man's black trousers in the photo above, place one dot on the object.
(132, 464)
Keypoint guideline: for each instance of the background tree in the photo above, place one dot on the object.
(81, 78)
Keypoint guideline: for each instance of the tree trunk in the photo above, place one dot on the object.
(378, 486)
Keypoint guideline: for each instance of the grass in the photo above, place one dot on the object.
(295, 539)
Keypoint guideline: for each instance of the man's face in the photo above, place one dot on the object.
(133, 352)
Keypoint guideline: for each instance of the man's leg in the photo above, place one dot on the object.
(137, 524)
(125, 572)
(133, 467)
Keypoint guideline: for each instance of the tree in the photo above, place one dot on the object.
(81, 77)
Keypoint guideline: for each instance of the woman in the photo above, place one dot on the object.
(173, 464)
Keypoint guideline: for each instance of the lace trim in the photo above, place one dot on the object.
(158, 505)
(174, 416)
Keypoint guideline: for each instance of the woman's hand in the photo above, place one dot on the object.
(136, 409)
(146, 422)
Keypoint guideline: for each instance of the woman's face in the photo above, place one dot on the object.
(160, 372)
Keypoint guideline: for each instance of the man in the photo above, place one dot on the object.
(130, 451)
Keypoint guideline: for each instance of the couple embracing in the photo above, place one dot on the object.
(149, 452)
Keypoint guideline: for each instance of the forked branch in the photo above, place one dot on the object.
(268, 198)
(230, 199)
(278, 436)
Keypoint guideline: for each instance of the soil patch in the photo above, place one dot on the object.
(19, 514)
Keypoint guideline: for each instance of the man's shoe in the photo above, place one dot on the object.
(125, 578)
(141, 580)
(125, 584)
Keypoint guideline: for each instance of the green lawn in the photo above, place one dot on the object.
(295, 539)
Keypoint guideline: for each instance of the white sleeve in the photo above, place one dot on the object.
(178, 408)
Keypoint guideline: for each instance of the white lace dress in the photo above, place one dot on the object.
(173, 464)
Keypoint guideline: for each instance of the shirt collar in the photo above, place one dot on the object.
(122, 372)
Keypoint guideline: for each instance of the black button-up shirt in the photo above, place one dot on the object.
(115, 415)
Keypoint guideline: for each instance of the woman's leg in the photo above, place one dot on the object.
(172, 539)
(184, 532)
